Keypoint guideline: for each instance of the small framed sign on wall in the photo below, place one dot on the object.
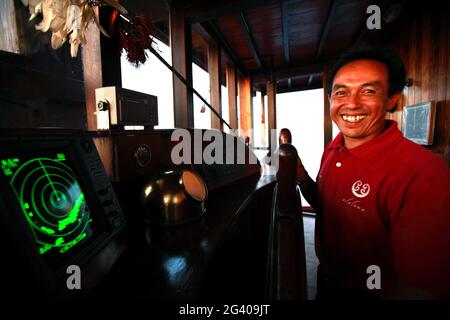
(418, 122)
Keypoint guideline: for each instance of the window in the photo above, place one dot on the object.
(153, 78)
(302, 113)
(259, 127)
(225, 108)
(202, 113)
(335, 129)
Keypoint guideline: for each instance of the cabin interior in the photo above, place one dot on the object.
(93, 208)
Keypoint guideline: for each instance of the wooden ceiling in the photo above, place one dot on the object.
(292, 40)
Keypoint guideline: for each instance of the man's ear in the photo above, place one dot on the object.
(393, 101)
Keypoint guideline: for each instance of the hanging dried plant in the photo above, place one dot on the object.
(69, 19)
(135, 38)
(65, 19)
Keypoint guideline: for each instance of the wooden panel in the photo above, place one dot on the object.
(233, 34)
(232, 95)
(43, 87)
(265, 24)
(180, 44)
(424, 46)
(214, 82)
(155, 10)
(200, 46)
(31, 98)
(245, 105)
(271, 88)
(9, 34)
(110, 51)
(92, 72)
(263, 122)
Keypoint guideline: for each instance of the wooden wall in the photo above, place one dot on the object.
(9, 35)
(424, 46)
(41, 87)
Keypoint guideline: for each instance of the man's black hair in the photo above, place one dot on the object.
(393, 62)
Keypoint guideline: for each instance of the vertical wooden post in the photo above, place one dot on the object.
(92, 72)
(110, 53)
(180, 43)
(271, 88)
(263, 121)
(232, 95)
(9, 28)
(327, 123)
(245, 105)
(101, 67)
(214, 81)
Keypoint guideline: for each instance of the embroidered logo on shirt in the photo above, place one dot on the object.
(353, 203)
(360, 190)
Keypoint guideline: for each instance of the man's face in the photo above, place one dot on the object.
(359, 100)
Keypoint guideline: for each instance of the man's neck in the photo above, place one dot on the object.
(351, 143)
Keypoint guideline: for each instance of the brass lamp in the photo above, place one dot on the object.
(173, 197)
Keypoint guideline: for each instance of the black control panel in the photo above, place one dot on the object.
(57, 205)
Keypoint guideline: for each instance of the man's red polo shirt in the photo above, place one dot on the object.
(385, 203)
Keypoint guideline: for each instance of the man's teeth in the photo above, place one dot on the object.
(353, 118)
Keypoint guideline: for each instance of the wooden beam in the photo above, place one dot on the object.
(332, 9)
(180, 44)
(249, 38)
(92, 72)
(263, 121)
(291, 71)
(408, 14)
(214, 71)
(9, 28)
(285, 23)
(99, 68)
(110, 52)
(212, 29)
(299, 88)
(285, 20)
(271, 88)
(245, 105)
(210, 10)
(232, 95)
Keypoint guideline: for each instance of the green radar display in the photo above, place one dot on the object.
(51, 200)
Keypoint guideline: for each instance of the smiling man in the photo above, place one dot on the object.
(383, 202)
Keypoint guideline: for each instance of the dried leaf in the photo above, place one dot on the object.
(65, 18)
(58, 39)
(135, 38)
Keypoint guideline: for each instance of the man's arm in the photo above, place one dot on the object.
(307, 185)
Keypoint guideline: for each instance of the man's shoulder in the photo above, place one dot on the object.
(411, 151)
(411, 158)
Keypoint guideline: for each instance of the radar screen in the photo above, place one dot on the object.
(51, 200)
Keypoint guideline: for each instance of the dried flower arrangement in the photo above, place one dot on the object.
(65, 19)
(135, 37)
(71, 18)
